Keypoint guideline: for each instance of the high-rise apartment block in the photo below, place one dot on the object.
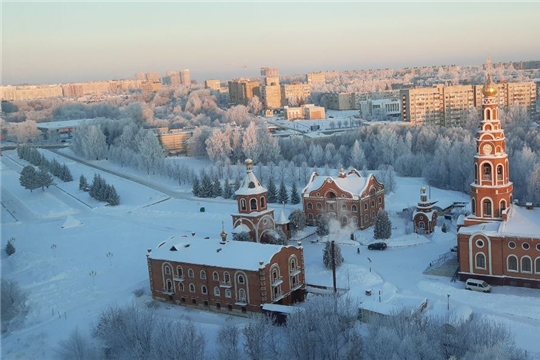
(271, 96)
(269, 72)
(241, 91)
(177, 78)
(212, 84)
(295, 93)
(448, 105)
(315, 78)
(340, 101)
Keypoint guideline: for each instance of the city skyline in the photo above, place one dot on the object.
(74, 42)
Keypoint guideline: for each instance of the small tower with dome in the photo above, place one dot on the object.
(424, 217)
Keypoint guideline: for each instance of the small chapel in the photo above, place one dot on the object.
(424, 217)
(253, 216)
(499, 242)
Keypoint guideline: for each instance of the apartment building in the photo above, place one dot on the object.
(212, 84)
(241, 91)
(307, 112)
(423, 106)
(340, 101)
(315, 78)
(295, 93)
(269, 72)
(271, 96)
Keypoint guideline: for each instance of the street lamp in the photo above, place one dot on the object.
(369, 264)
(448, 301)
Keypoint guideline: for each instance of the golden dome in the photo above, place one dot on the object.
(490, 89)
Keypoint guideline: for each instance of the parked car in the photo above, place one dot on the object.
(377, 246)
(477, 285)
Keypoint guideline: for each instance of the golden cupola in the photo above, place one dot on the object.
(490, 89)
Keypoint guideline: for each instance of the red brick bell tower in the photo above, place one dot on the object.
(491, 191)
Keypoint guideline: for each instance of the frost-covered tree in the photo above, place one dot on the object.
(387, 176)
(383, 226)
(196, 188)
(243, 236)
(295, 197)
(358, 158)
(272, 191)
(250, 143)
(75, 347)
(278, 237)
(227, 189)
(327, 255)
(83, 183)
(13, 301)
(255, 105)
(207, 187)
(218, 146)
(283, 196)
(297, 220)
(216, 187)
(29, 178)
(150, 151)
(323, 225)
(228, 342)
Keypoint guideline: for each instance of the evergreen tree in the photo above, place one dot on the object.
(196, 189)
(29, 178)
(112, 196)
(236, 187)
(297, 220)
(243, 236)
(272, 191)
(227, 189)
(44, 179)
(65, 174)
(383, 226)
(327, 255)
(283, 197)
(83, 183)
(323, 225)
(10, 248)
(216, 187)
(206, 186)
(295, 197)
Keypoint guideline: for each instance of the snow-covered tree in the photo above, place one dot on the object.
(243, 236)
(327, 255)
(250, 143)
(150, 151)
(323, 224)
(358, 158)
(29, 178)
(227, 189)
(297, 220)
(228, 342)
(13, 301)
(295, 197)
(272, 191)
(383, 226)
(83, 183)
(283, 196)
(196, 188)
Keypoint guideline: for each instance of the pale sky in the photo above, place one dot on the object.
(53, 42)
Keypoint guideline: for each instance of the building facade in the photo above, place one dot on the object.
(241, 91)
(349, 197)
(499, 241)
(233, 277)
(315, 78)
(212, 84)
(424, 217)
(307, 112)
(295, 93)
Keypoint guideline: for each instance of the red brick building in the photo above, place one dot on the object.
(500, 241)
(349, 197)
(253, 215)
(424, 217)
(235, 277)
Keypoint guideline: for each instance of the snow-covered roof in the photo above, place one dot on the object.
(53, 125)
(250, 185)
(352, 183)
(391, 304)
(254, 214)
(521, 222)
(429, 214)
(282, 219)
(241, 255)
(240, 229)
(287, 309)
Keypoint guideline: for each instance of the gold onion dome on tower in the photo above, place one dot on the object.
(490, 89)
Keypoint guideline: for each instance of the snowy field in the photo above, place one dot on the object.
(63, 237)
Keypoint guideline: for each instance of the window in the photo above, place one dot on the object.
(473, 206)
(372, 203)
(344, 207)
(512, 245)
(525, 246)
(512, 263)
(191, 288)
(526, 264)
(344, 220)
(241, 279)
(480, 261)
(537, 265)
(380, 200)
(179, 271)
(503, 207)
(228, 293)
(365, 206)
(499, 172)
(353, 208)
(217, 292)
(215, 276)
(242, 295)
(226, 277)
(243, 204)
(310, 217)
(169, 285)
(310, 206)
(331, 207)
(262, 202)
(167, 270)
(253, 204)
(487, 207)
(204, 290)
(203, 274)
(191, 273)
(194, 301)
(538, 246)
(181, 287)
(319, 206)
(183, 299)
(486, 171)
(205, 303)
(479, 243)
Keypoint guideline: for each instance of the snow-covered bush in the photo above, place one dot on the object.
(327, 255)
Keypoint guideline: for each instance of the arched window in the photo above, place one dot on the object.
(228, 293)
(487, 207)
(181, 286)
(473, 206)
(331, 207)
(365, 206)
(537, 265)
(310, 217)
(179, 271)
(226, 277)
(353, 208)
(366, 218)
(512, 263)
(319, 206)
(169, 285)
(242, 295)
(241, 279)
(486, 171)
(262, 202)
(253, 204)
(191, 288)
(243, 204)
(502, 207)
(476, 173)
(217, 292)
(167, 270)
(499, 172)
(344, 220)
(215, 276)
(190, 273)
(526, 265)
(344, 207)
(310, 206)
(275, 274)
(331, 195)
(204, 290)
(292, 264)
(203, 274)
(480, 261)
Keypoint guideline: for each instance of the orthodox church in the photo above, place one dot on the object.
(424, 217)
(253, 215)
(499, 242)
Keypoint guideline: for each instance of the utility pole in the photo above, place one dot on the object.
(333, 266)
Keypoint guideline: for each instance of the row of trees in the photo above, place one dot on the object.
(100, 190)
(33, 156)
(32, 179)
(326, 327)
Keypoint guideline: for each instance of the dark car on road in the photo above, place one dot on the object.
(377, 246)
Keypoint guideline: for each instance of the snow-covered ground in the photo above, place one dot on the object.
(64, 267)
